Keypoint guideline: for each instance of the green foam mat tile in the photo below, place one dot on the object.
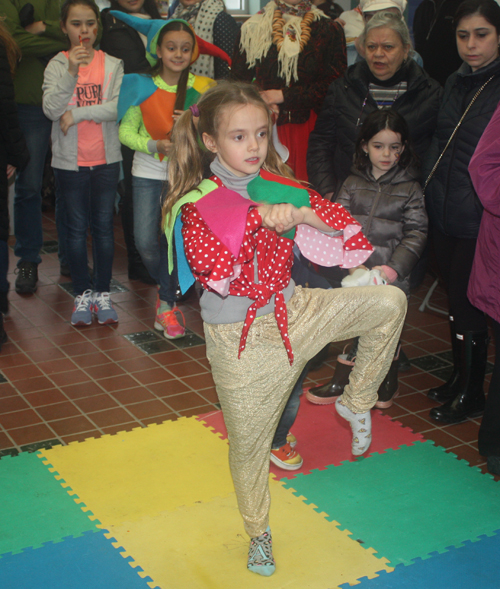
(34, 508)
(406, 503)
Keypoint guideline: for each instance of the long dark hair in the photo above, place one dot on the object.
(488, 9)
(150, 7)
(183, 80)
(378, 121)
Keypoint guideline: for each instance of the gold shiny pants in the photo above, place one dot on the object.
(253, 390)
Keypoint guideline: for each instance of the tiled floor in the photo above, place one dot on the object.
(61, 384)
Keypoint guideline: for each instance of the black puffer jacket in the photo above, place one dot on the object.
(452, 203)
(392, 213)
(123, 42)
(332, 143)
(13, 148)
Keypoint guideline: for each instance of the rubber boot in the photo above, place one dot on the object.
(328, 393)
(470, 399)
(388, 390)
(449, 389)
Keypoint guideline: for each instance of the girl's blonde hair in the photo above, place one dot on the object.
(11, 47)
(186, 159)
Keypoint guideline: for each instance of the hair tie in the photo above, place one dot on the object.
(195, 111)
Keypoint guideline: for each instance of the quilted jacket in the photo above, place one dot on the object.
(392, 214)
(451, 200)
(331, 144)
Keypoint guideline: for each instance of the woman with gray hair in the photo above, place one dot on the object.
(389, 78)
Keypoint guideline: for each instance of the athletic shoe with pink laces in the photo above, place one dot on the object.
(168, 323)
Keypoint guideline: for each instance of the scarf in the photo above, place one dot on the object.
(201, 16)
(257, 36)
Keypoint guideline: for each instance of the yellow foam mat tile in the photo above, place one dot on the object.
(134, 474)
(203, 546)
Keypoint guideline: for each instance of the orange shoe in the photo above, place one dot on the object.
(167, 322)
(286, 458)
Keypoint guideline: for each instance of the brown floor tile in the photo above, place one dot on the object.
(465, 452)
(196, 411)
(149, 409)
(84, 389)
(50, 353)
(55, 366)
(415, 423)
(129, 396)
(58, 411)
(21, 372)
(104, 370)
(467, 431)
(13, 360)
(441, 438)
(5, 441)
(113, 343)
(94, 359)
(31, 345)
(9, 404)
(31, 385)
(81, 437)
(153, 375)
(45, 397)
(168, 388)
(7, 390)
(68, 378)
(78, 349)
(197, 352)
(185, 401)
(125, 353)
(210, 395)
(72, 425)
(96, 403)
(415, 402)
(67, 339)
(159, 420)
(19, 419)
(187, 369)
(199, 381)
(434, 345)
(138, 364)
(31, 434)
(422, 381)
(123, 427)
(117, 383)
(109, 417)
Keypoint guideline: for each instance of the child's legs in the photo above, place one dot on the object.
(104, 180)
(147, 213)
(375, 313)
(75, 189)
(168, 282)
(252, 400)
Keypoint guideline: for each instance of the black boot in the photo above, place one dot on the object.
(388, 390)
(469, 400)
(449, 389)
(328, 393)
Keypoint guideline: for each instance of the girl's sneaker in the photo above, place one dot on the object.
(260, 555)
(104, 309)
(82, 309)
(168, 323)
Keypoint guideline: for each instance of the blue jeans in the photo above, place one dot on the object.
(150, 241)
(88, 196)
(28, 194)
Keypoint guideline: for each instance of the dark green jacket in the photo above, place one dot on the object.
(36, 49)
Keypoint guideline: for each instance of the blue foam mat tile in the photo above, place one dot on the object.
(472, 566)
(87, 562)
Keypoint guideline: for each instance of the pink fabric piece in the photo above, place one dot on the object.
(390, 273)
(222, 286)
(328, 251)
(225, 213)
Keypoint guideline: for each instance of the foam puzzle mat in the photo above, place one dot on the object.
(155, 507)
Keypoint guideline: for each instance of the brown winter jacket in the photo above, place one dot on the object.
(392, 213)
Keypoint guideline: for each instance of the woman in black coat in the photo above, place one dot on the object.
(453, 206)
(388, 78)
(13, 155)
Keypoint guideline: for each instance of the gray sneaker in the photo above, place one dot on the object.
(104, 309)
(82, 310)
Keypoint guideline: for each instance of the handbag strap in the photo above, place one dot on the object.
(455, 131)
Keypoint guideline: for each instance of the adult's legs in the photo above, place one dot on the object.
(76, 191)
(103, 183)
(36, 128)
(489, 432)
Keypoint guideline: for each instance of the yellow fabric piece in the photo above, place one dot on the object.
(141, 473)
(203, 546)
